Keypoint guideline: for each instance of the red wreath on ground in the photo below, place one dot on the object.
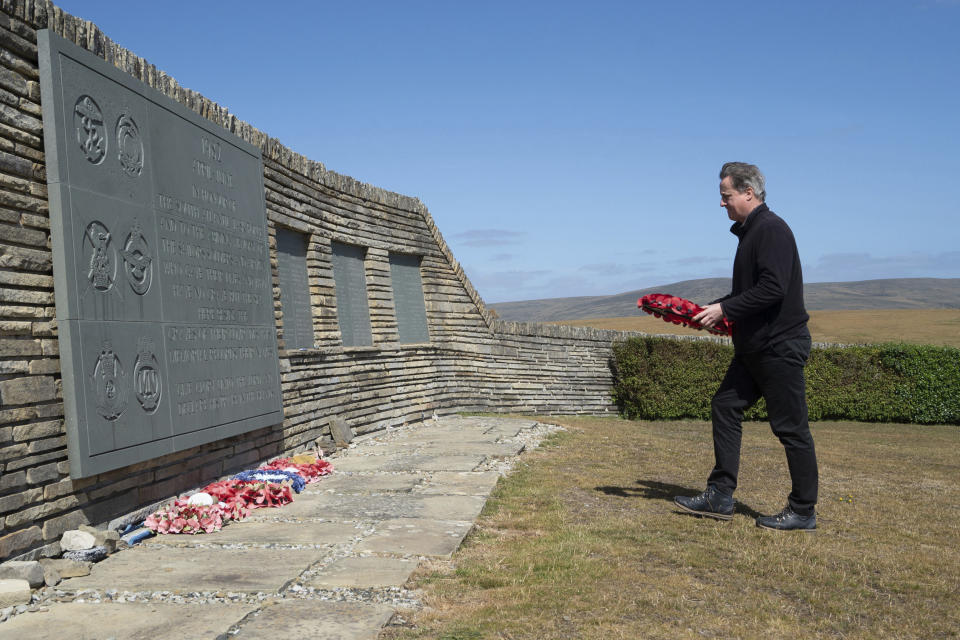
(311, 471)
(680, 311)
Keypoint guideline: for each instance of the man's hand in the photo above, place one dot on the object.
(711, 315)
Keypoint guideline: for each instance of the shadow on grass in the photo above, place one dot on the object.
(652, 490)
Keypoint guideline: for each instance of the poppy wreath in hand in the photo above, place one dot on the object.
(680, 311)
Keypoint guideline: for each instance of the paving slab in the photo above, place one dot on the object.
(508, 428)
(506, 423)
(451, 436)
(497, 427)
(330, 506)
(469, 483)
(366, 483)
(182, 570)
(86, 621)
(448, 462)
(416, 536)
(503, 450)
(371, 463)
(364, 572)
(375, 507)
(477, 422)
(441, 507)
(262, 532)
(317, 620)
(414, 462)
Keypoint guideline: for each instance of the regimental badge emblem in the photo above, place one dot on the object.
(109, 382)
(91, 134)
(102, 270)
(146, 376)
(137, 261)
(130, 146)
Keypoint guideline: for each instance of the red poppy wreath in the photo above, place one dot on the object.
(679, 311)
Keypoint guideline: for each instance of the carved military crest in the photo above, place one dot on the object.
(102, 262)
(108, 380)
(91, 135)
(146, 376)
(130, 146)
(137, 261)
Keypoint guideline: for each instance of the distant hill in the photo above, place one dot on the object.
(894, 293)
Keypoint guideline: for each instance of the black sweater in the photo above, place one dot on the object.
(766, 304)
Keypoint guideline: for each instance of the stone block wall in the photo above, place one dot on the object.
(473, 362)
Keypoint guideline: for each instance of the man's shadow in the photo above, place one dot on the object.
(652, 490)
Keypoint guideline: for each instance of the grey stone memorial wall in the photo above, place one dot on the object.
(161, 268)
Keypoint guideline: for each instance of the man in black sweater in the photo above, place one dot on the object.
(771, 345)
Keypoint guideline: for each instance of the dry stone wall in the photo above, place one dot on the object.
(472, 362)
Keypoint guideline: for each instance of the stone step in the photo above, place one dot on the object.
(184, 570)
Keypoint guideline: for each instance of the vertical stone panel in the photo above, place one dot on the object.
(353, 306)
(291, 252)
(408, 300)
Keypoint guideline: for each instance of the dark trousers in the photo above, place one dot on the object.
(776, 374)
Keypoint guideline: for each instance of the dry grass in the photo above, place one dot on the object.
(582, 541)
(928, 326)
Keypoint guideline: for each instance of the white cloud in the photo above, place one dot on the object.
(488, 237)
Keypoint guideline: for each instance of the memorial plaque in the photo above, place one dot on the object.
(294, 289)
(161, 268)
(408, 299)
(353, 309)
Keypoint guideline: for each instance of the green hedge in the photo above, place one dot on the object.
(667, 378)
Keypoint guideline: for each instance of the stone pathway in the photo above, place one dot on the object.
(332, 564)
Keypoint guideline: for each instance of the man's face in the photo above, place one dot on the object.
(738, 205)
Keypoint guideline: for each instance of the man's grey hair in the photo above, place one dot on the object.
(743, 175)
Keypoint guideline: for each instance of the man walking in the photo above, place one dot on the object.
(771, 345)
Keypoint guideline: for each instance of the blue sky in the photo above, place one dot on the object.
(572, 148)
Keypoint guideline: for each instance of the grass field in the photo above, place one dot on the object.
(934, 326)
(582, 541)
